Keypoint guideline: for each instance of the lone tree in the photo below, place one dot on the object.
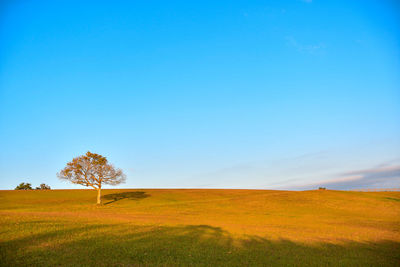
(24, 186)
(92, 170)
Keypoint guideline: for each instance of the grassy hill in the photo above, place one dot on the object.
(199, 227)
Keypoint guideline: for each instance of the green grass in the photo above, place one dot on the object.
(199, 228)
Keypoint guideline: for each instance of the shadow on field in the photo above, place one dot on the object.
(125, 195)
(193, 245)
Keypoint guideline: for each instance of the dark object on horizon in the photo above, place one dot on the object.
(322, 188)
(24, 186)
(43, 187)
(92, 170)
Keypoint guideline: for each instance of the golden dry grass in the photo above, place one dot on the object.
(200, 227)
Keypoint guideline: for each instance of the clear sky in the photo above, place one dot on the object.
(210, 94)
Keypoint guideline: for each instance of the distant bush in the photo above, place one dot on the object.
(43, 187)
(322, 188)
(24, 186)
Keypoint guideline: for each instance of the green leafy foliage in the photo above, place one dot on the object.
(43, 187)
(24, 186)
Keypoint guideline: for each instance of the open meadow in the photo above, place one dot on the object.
(199, 228)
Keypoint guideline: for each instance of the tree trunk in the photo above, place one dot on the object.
(99, 196)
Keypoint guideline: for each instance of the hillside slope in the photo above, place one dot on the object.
(199, 227)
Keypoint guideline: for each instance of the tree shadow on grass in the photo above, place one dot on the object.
(191, 245)
(125, 195)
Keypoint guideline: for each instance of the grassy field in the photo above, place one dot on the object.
(200, 228)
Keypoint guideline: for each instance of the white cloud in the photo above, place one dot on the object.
(380, 177)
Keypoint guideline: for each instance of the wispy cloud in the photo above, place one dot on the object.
(382, 176)
(264, 173)
(302, 172)
(304, 48)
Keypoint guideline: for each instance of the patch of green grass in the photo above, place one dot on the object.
(393, 199)
(199, 228)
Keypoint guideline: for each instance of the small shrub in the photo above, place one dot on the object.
(322, 188)
(24, 186)
(43, 187)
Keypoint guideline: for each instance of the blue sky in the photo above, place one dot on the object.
(234, 94)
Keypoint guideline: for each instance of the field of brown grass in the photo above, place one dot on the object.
(173, 227)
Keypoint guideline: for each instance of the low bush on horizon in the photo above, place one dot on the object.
(24, 186)
(28, 186)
